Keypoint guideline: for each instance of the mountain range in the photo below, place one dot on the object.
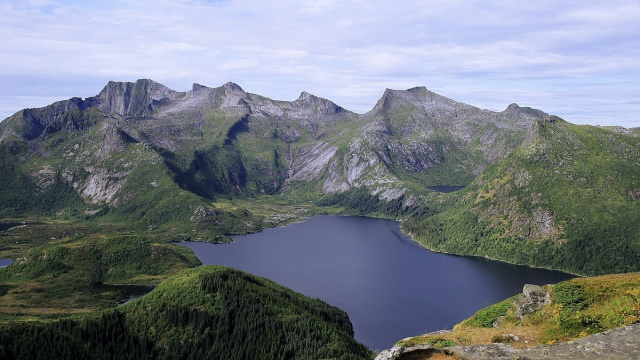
(93, 191)
(539, 190)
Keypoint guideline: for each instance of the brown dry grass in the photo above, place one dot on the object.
(528, 336)
(613, 301)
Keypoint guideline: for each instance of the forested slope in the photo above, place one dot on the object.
(567, 199)
(209, 312)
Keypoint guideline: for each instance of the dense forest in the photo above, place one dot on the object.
(358, 201)
(209, 312)
(565, 201)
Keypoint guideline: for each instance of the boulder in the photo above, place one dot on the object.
(532, 299)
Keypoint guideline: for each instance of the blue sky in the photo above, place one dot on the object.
(579, 59)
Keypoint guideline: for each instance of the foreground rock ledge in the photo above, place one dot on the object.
(621, 343)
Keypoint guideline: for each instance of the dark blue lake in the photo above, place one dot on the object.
(5, 262)
(390, 286)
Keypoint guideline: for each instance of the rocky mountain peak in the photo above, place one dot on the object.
(305, 96)
(233, 87)
(513, 107)
(324, 106)
(28, 124)
(131, 99)
(196, 88)
(384, 102)
(231, 95)
(415, 97)
(418, 89)
(525, 112)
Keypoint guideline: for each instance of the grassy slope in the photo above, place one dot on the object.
(208, 312)
(578, 308)
(566, 200)
(38, 176)
(79, 273)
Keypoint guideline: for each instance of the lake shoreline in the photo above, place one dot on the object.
(363, 265)
(408, 234)
(490, 258)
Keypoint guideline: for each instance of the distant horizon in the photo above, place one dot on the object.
(264, 95)
(303, 91)
(578, 61)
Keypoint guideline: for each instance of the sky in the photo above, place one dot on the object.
(578, 59)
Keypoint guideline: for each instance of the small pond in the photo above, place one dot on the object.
(8, 225)
(5, 262)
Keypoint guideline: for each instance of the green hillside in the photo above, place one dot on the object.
(209, 312)
(575, 308)
(80, 273)
(566, 199)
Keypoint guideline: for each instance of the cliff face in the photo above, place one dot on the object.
(226, 139)
(132, 99)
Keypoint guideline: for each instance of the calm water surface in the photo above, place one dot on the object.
(390, 286)
(7, 226)
(5, 262)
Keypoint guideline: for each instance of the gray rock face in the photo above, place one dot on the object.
(324, 106)
(532, 299)
(423, 131)
(414, 352)
(33, 123)
(617, 344)
(132, 99)
(114, 140)
(311, 139)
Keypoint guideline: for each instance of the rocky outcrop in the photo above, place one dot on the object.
(532, 299)
(114, 140)
(132, 99)
(101, 185)
(525, 112)
(323, 106)
(616, 344)
(414, 352)
(30, 124)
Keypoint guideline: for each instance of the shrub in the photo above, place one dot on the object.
(571, 296)
(487, 316)
(441, 343)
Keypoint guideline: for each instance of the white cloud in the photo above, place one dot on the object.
(559, 56)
